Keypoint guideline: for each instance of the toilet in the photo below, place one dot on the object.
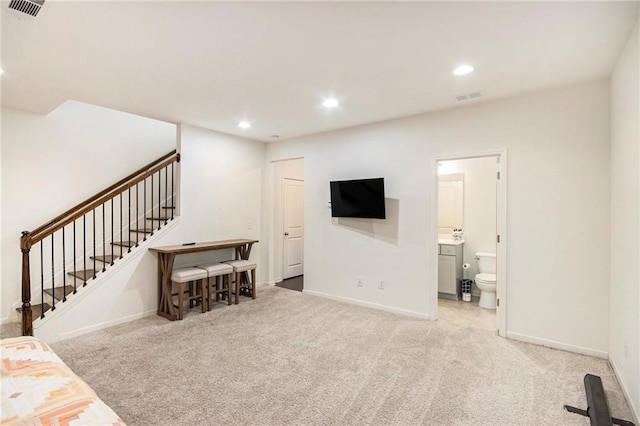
(486, 279)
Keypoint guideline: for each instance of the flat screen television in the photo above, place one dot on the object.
(362, 198)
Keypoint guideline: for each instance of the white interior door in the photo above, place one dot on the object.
(293, 191)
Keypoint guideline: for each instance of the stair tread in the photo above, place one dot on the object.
(158, 218)
(59, 292)
(142, 230)
(124, 243)
(84, 275)
(168, 207)
(106, 258)
(36, 310)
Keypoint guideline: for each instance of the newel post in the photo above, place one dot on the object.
(27, 318)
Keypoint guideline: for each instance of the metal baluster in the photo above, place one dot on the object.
(159, 200)
(137, 217)
(84, 250)
(112, 231)
(173, 194)
(121, 229)
(166, 188)
(74, 257)
(104, 241)
(153, 225)
(129, 223)
(145, 209)
(53, 281)
(42, 278)
(94, 244)
(64, 269)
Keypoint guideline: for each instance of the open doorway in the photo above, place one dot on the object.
(470, 233)
(289, 223)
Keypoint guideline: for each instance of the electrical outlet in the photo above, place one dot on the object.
(359, 281)
(381, 285)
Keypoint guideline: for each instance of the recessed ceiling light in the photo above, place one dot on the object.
(330, 103)
(244, 124)
(463, 70)
(1, 71)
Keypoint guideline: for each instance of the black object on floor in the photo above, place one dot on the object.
(295, 283)
(597, 407)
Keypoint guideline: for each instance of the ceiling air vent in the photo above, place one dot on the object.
(30, 7)
(468, 96)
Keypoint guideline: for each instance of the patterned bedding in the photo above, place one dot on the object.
(39, 389)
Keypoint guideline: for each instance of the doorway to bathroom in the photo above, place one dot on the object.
(469, 239)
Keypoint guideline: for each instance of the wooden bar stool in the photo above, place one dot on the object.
(241, 269)
(218, 271)
(189, 275)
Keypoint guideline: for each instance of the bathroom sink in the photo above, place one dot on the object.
(450, 241)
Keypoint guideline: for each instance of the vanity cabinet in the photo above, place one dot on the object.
(449, 270)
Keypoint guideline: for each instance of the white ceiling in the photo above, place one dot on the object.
(213, 64)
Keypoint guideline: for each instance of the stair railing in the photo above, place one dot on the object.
(115, 208)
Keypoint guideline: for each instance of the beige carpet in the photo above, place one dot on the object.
(289, 358)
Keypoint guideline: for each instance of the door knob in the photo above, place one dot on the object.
(286, 233)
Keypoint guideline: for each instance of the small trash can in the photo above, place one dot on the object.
(465, 286)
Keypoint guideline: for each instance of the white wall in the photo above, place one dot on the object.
(479, 207)
(558, 209)
(221, 194)
(51, 163)
(625, 226)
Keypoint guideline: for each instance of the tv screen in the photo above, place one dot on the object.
(358, 198)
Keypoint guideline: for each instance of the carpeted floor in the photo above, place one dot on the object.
(13, 329)
(288, 358)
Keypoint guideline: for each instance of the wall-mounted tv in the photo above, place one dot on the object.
(358, 198)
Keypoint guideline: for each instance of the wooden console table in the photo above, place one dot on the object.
(167, 256)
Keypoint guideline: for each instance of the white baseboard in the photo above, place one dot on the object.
(367, 304)
(111, 323)
(106, 324)
(557, 345)
(634, 409)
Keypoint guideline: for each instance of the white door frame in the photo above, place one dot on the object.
(275, 253)
(501, 230)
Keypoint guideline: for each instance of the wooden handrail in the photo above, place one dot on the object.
(28, 239)
(83, 208)
(103, 192)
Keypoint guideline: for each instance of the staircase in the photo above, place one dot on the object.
(64, 255)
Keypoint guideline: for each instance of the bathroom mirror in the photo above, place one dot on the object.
(450, 202)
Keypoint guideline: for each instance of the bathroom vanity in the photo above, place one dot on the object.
(449, 267)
